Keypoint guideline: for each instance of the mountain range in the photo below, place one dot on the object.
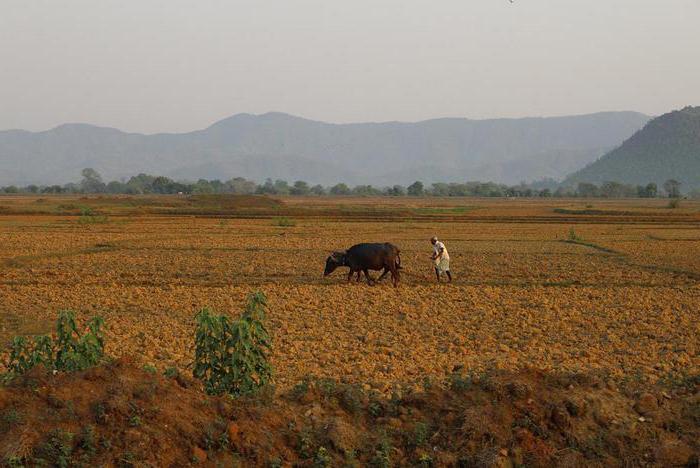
(668, 147)
(283, 146)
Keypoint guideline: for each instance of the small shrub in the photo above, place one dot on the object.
(674, 203)
(150, 368)
(100, 412)
(275, 463)
(284, 222)
(300, 390)
(231, 356)
(420, 434)
(351, 460)
(76, 351)
(128, 460)
(9, 419)
(56, 451)
(171, 372)
(460, 383)
(425, 460)
(70, 351)
(382, 456)
(322, 458)
(13, 461)
(134, 420)
(327, 387)
(573, 236)
(350, 398)
(88, 440)
(305, 444)
(375, 408)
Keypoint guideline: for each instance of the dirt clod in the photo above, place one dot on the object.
(198, 455)
(674, 453)
(647, 404)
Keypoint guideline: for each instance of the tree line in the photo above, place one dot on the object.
(92, 183)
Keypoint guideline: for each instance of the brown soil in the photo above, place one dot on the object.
(122, 415)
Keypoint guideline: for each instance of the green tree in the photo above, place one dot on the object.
(340, 189)
(672, 188)
(92, 181)
(440, 189)
(300, 188)
(141, 183)
(396, 191)
(416, 189)
(201, 186)
(647, 191)
(318, 190)
(116, 187)
(267, 188)
(365, 190)
(281, 187)
(241, 186)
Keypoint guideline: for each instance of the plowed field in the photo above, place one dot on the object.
(619, 294)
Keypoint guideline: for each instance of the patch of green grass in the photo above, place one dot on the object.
(92, 219)
(88, 439)
(573, 236)
(56, 450)
(283, 221)
(420, 434)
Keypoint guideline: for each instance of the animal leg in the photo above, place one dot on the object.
(395, 276)
(384, 273)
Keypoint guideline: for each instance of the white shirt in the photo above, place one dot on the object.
(436, 248)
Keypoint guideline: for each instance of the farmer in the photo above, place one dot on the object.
(441, 259)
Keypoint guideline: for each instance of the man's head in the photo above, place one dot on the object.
(334, 260)
(433, 240)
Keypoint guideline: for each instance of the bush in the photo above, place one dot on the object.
(674, 203)
(231, 355)
(573, 237)
(70, 351)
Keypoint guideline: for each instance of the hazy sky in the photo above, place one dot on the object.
(174, 65)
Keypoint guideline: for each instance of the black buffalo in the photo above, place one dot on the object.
(364, 257)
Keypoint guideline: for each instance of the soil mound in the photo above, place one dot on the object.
(121, 415)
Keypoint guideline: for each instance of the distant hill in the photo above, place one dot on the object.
(668, 147)
(283, 146)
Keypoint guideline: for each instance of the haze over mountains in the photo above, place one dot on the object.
(668, 147)
(279, 145)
